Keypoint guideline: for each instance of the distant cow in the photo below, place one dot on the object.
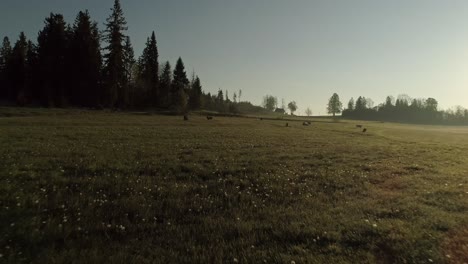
(306, 124)
(364, 130)
(185, 118)
(359, 126)
(209, 118)
(287, 124)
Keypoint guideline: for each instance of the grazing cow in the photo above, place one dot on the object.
(287, 124)
(306, 124)
(364, 130)
(209, 118)
(359, 126)
(185, 118)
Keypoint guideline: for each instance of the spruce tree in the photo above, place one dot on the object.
(351, 104)
(32, 73)
(165, 85)
(17, 70)
(86, 61)
(5, 56)
(114, 70)
(195, 94)
(128, 96)
(52, 49)
(129, 60)
(179, 84)
(149, 68)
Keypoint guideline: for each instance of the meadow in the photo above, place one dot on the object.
(100, 187)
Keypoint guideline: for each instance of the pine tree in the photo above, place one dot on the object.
(149, 67)
(5, 56)
(17, 70)
(195, 94)
(361, 104)
(32, 70)
(86, 63)
(165, 85)
(179, 84)
(129, 60)
(220, 96)
(351, 104)
(52, 50)
(114, 70)
(129, 64)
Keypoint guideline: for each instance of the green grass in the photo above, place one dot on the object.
(97, 187)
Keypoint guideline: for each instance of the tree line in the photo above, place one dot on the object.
(403, 109)
(77, 65)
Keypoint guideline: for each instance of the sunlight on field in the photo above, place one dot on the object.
(121, 187)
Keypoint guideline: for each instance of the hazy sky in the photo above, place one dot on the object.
(299, 50)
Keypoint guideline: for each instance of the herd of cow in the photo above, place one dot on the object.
(305, 123)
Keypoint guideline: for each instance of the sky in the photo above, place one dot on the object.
(301, 50)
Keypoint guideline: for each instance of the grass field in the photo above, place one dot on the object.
(98, 187)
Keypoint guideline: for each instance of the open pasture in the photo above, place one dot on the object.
(95, 187)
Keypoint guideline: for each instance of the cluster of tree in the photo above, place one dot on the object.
(270, 104)
(221, 102)
(68, 67)
(404, 109)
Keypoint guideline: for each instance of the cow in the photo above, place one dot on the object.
(364, 130)
(185, 118)
(209, 118)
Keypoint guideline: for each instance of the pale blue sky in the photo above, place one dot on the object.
(299, 50)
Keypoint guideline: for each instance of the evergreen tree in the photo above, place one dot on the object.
(334, 105)
(86, 65)
(128, 90)
(351, 104)
(114, 69)
(32, 70)
(5, 56)
(149, 68)
(165, 85)
(129, 60)
(361, 103)
(52, 52)
(17, 70)
(389, 102)
(179, 84)
(219, 101)
(195, 94)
